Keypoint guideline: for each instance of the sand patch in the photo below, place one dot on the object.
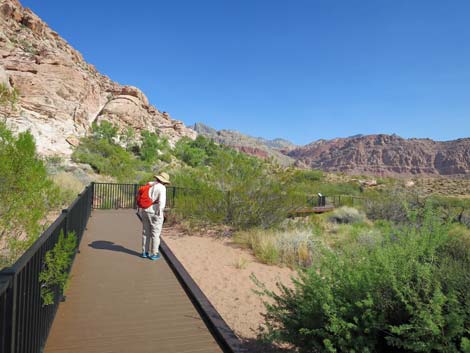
(222, 270)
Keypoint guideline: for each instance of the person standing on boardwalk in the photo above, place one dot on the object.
(152, 216)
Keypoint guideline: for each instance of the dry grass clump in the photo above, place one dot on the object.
(294, 247)
(241, 263)
(347, 215)
(301, 241)
(69, 185)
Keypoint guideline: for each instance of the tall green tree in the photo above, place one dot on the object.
(26, 192)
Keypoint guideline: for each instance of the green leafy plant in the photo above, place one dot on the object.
(57, 262)
(107, 158)
(196, 153)
(235, 189)
(408, 294)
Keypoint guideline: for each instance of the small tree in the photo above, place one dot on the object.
(104, 130)
(153, 147)
(26, 192)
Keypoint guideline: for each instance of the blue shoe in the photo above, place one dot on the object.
(154, 257)
(144, 255)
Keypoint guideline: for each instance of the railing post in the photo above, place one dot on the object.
(92, 193)
(174, 197)
(8, 339)
(135, 195)
(66, 223)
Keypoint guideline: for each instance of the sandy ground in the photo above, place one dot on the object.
(222, 270)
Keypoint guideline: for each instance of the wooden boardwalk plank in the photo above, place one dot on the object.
(120, 303)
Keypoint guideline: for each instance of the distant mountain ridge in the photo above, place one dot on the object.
(380, 154)
(255, 146)
(386, 155)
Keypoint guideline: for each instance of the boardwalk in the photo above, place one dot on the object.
(118, 302)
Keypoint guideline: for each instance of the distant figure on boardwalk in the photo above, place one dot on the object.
(151, 200)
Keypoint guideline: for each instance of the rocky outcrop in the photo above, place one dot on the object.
(386, 155)
(255, 146)
(61, 95)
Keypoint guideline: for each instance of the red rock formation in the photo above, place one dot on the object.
(387, 155)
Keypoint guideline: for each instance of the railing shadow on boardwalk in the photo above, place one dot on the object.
(109, 245)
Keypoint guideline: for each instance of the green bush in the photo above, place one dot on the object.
(409, 293)
(235, 189)
(393, 205)
(57, 263)
(198, 152)
(107, 158)
(26, 193)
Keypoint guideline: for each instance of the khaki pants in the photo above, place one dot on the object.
(152, 227)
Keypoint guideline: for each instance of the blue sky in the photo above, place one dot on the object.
(299, 69)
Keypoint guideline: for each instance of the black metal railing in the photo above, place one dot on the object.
(111, 195)
(24, 320)
(347, 200)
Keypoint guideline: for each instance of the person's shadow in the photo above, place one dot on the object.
(109, 245)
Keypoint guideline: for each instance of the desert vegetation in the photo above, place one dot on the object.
(386, 272)
(27, 193)
(385, 288)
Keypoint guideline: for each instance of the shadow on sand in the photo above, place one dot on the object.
(109, 245)
(257, 346)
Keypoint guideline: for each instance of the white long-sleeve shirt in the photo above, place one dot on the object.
(157, 193)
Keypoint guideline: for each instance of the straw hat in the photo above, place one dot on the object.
(163, 177)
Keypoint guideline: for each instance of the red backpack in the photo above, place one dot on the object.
(143, 199)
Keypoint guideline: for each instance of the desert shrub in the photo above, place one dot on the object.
(393, 205)
(347, 215)
(26, 193)
(108, 158)
(54, 277)
(198, 201)
(196, 152)
(410, 294)
(303, 176)
(451, 208)
(234, 189)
